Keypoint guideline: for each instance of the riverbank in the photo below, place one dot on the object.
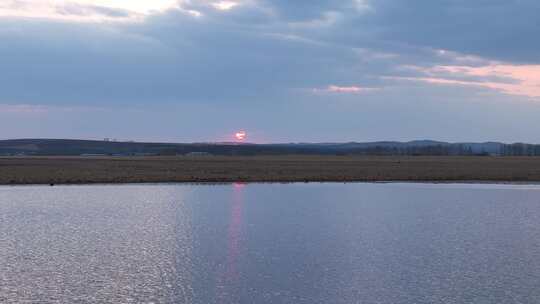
(87, 170)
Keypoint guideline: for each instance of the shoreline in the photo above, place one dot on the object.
(74, 170)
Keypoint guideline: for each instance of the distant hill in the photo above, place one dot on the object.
(419, 147)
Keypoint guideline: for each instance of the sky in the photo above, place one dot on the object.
(280, 70)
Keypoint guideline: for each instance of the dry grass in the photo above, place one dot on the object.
(78, 170)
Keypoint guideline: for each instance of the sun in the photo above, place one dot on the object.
(240, 135)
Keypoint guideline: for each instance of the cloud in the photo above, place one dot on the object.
(224, 5)
(247, 51)
(266, 57)
(509, 79)
(22, 109)
(74, 9)
(344, 89)
(500, 29)
(298, 11)
(84, 10)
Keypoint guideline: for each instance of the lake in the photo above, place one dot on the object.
(270, 243)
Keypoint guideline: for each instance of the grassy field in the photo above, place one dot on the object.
(79, 170)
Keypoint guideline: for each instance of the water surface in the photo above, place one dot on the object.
(270, 243)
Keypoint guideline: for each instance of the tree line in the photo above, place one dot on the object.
(517, 149)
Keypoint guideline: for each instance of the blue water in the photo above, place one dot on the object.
(270, 243)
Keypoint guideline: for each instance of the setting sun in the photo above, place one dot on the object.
(240, 135)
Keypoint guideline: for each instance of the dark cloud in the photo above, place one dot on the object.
(306, 10)
(498, 29)
(73, 9)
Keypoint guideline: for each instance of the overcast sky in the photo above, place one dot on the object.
(282, 70)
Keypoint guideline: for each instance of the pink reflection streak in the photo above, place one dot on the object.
(235, 228)
(230, 274)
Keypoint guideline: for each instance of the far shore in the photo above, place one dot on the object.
(294, 168)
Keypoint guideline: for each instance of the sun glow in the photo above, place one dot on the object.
(224, 5)
(83, 10)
